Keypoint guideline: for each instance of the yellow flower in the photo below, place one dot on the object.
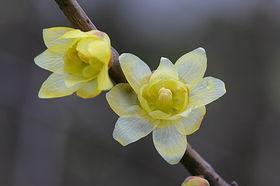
(169, 101)
(195, 181)
(79, 62)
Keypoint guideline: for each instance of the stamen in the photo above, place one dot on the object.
(165, 95)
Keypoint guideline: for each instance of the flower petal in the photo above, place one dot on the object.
(83, 46)
(103, 79)
(89, 90)
(101, 50)
(71, 80)
(206, 91)
(74, 33)
(55, 87)
(191, 121)
(54, 42)
(192, 66)
(135, 70)
(170, 144)
(121, 97)
(158, 114)
(165, 70)
(129, 129)
(50, 61)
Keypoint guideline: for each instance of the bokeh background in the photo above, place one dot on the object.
(68, 141)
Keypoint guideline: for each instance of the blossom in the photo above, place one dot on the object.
(169, 102)
(78, 62)
(195, 181)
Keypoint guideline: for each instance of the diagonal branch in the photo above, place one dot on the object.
(195, 164)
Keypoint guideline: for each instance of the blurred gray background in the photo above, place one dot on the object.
(68, 141)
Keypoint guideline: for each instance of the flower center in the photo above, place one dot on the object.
(165, 95)
(164, 98)
(78, 64)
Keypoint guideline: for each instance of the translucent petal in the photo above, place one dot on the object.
(97, 49)
(206, 91)
(170, 144)
(80, 34)
(90, 71)
(71, 80)
(157, 114)
(54, 42)
(74, 34)
(135, 70)
(50, 61)
(89, 89)
(121, 97)
(165, 70)
(143, 102)
(83, 47)
(130, 129)
(55, 86)
(104, 81)
(191, 121)
(192, 66)
(101, 50)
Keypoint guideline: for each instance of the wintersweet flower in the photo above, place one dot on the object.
(169, 101)
(195, 181)
(79, 62)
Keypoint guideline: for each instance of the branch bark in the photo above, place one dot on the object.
(191, 160)
(197, 166)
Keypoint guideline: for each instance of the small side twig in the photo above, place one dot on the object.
(191, 160)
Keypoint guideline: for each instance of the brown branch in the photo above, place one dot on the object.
(76, 14)
(195, 164)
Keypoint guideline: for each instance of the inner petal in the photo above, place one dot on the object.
(72, 63)
(83, 57)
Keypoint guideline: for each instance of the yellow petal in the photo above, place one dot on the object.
(55, 86)
(195, 181)
(206, 91)
(83, 47)
(165, 70)
(101, 50)
(89, 90)
(170, 144)
(98, 49)
(71, 80)
(129, 129)
(191, 121)
(75, 33)
(157, 114)
(121, 97)
(54, 42)
(192, 66)
(50, 61)
(104, 81)
(135, 70)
